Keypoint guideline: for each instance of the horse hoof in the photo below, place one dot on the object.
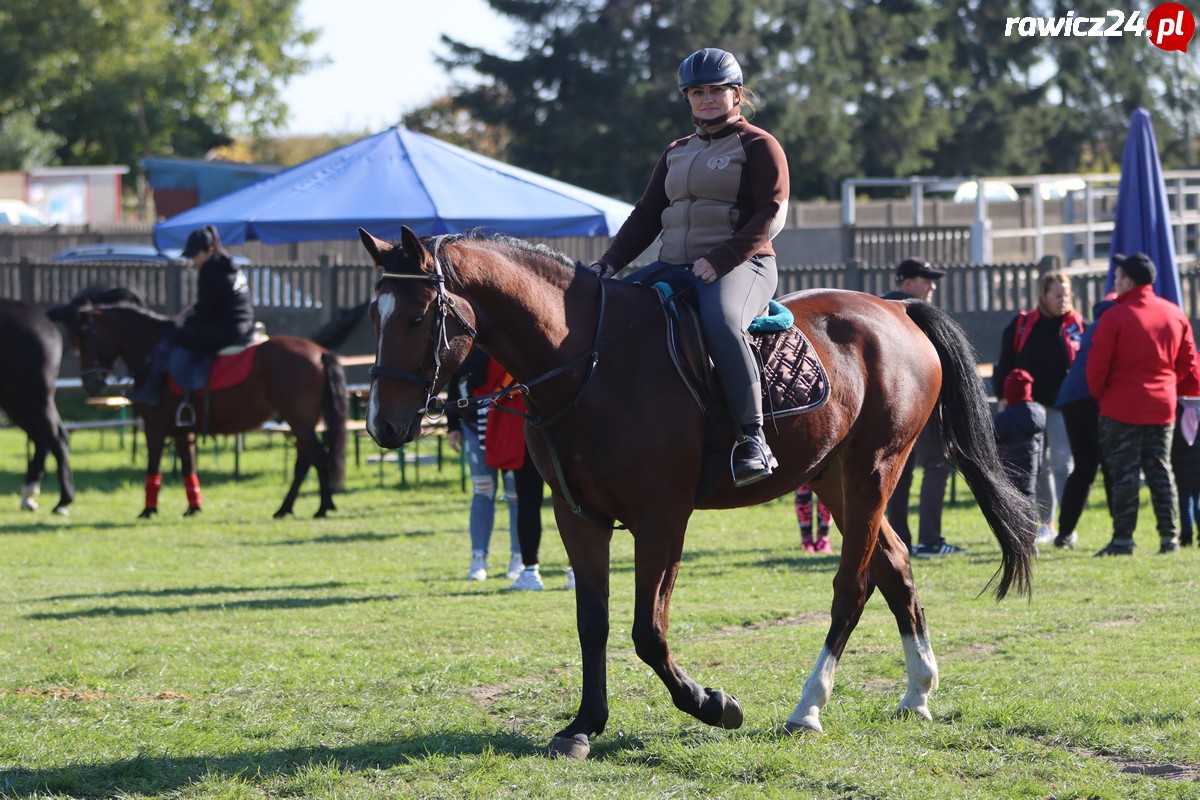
(62, 511)
(731, 710)
(281, 513)
(576, 747)
(192, 511)
(320, 513)
(147, 513)
(917, 712)
(29, 504)
(796, 729)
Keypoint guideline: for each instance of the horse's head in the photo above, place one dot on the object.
(423, 331)
(97, 354)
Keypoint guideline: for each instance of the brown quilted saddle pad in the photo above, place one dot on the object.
(794, 380)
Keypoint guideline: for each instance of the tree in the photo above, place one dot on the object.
(116, 80)
(879, 88)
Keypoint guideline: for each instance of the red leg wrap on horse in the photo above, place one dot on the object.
(153, 484)
(191, 484)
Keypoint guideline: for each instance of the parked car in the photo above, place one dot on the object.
(119, 251)
(17, 213)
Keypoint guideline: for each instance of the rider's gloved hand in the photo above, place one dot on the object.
(603, 269)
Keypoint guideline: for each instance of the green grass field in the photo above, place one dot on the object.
(232, 655)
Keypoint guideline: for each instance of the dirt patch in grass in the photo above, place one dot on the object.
(1135, 766)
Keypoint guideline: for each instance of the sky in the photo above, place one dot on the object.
(381, 59)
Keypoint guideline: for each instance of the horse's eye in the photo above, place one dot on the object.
(416, 321)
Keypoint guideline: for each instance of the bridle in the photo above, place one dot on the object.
(444, 307)
(97, 369)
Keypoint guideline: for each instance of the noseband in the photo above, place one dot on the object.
(445, 306)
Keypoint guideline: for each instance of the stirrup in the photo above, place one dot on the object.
(185, 415)
(764, 455)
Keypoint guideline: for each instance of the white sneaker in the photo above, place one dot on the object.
(570, 584)
(515, 565)
(528, 581)
(1045, 535)
(478, 571)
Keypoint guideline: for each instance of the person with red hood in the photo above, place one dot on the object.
(1143, 359)
(1020, 429)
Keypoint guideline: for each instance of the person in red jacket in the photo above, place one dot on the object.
(1143, 359)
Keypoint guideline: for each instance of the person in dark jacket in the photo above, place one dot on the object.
(1020, 427)
(1081, 417)
(222, 314)
(917, 280)
(1043, 341)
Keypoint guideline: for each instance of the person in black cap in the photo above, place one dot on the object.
(1143, 359)
(223, 311)
(916, 280)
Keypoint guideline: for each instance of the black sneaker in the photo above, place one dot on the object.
(938, 550)
(1112, 549)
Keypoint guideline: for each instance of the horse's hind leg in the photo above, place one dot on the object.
(892, 573)
(304, 451)
(323, 464)
(856, 501)
(31, 487)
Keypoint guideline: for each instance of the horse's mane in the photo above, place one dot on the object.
(135, 309)
(523, 251)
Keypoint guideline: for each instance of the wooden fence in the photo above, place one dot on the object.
(295, 298)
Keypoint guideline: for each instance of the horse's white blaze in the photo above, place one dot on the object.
(28, 492)
(922, 675)
(817, 690)
(385, 304)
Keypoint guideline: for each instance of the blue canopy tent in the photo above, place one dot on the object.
(1142, 221)
(399, 177)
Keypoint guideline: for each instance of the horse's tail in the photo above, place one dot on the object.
(967, 429)
(336, 409)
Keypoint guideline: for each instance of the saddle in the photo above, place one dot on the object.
(793, 378)
(192, 373)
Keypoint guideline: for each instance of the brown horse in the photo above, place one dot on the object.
(618, 437)
(29, 360)
(292, 378)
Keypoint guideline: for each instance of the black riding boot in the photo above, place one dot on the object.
(751, 459)
(150, 392)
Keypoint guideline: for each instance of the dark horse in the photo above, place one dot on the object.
(292, 378)
(618, 437)
(29, 360)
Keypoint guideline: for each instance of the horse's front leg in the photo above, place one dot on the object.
(892, 573)
(587, 547)
(658, 548)
(185, 446)
(156, 437)
(858, 513)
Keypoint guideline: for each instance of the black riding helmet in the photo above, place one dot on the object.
(709, 67)
(198, 241)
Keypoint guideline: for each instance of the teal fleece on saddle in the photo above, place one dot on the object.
(778, 318)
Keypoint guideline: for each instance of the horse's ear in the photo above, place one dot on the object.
(414, 251)
(376, 247)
